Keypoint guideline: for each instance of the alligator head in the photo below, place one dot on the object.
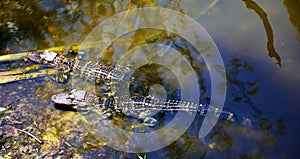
(74, 97)
(45, 57)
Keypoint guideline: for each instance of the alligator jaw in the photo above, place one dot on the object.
(34, 56)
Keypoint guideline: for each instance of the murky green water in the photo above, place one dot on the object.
(258, 42)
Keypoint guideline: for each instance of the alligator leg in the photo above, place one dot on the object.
(149, 121)
(146, 118)
(105, 86)
(62, 74)
(60, 77)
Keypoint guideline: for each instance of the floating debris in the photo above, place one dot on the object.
(38, 140)
(10, 130)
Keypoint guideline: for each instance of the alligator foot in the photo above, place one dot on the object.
(149, 121)
(60, 77)
(104, 88)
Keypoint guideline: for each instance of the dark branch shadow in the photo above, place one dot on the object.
(294, 12)
(263, 16)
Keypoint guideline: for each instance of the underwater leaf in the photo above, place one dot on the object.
(235, 61)
(266, 126)
(282, 129)
(248, 67)
(237, 99)
(253, 91)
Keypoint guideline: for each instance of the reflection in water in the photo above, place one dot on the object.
(294, 12)
(243, 89)
(261, 131)
(263, 16)
(30, 25)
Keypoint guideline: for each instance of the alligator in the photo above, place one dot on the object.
(82, 100)
(97, 72)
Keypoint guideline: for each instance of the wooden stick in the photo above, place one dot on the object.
(11, 57)
(28, 133)
(212, 4)
(20, 70)
(41, 73)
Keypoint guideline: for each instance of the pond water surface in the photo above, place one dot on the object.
(259, 42)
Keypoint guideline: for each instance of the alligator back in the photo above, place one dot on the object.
(89, 70)
(83, 101)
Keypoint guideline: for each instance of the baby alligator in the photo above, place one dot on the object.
(92, 71)
(82, 100)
